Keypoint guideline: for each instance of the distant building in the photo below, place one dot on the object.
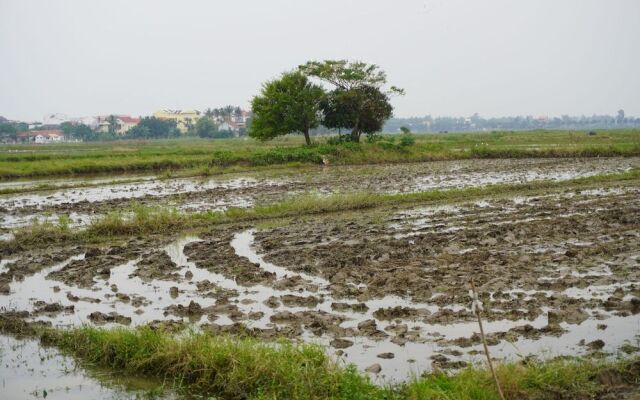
(48, 136)
(123, 124)
(184, 119)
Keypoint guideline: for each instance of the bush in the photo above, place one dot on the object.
(407, 139)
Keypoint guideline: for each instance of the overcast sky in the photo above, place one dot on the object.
(453, 57)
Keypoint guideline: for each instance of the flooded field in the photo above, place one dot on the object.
(101, 196)
(558, 272)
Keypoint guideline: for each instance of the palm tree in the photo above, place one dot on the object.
(228, 110)
(112, 120)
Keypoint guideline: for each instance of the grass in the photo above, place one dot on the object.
(246, 368)
(142, 220)
(214, 156)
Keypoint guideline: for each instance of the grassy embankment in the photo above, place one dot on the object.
(239, 368)
(143, 220)
(204, 157)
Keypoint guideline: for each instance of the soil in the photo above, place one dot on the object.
(389, 287)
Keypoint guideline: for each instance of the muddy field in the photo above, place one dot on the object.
(387, 289)
(93, 197)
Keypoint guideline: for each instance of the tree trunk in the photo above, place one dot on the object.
(355, 136)
(355, 132)
(307, 138)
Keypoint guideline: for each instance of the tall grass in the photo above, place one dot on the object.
(138, 220)
(219, 365)
(233, 368)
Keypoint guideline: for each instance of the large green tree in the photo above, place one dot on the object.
(78, 131)
(362, 110)
(359, 101)
(206, 128)
(289, 104)
(153, 128)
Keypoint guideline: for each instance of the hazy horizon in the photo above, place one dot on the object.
(495, 57)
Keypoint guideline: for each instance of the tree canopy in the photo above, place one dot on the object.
(78, 131)
(361, 110)
(206, 128)
(358, 101)
(289, 104)
(153, 128)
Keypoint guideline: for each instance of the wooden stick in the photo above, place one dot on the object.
(476, 309)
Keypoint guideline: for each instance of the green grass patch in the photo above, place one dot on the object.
(212, 156)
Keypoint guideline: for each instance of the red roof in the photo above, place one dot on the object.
(128, 120)
(48, 133)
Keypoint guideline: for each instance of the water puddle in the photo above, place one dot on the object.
(30, 371)
(157, 188)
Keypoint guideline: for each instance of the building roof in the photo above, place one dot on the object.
(128, 120)
(47, 133)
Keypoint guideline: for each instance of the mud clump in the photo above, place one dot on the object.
(42, 307)
(341, 343)
(440, 361)
(596, 344)
(374, 368)
(399, 312)
(217, 255)
(370, 329)
(192, 309)
(99, 318)
(344, 307)
(292, 300)
(156, 265)
(571, 315)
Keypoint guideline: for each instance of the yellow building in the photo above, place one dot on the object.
(184, 118)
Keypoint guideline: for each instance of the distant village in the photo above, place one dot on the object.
(222, 122)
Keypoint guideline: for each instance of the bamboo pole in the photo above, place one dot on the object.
(476, 308)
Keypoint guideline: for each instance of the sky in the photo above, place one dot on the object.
(453, 57)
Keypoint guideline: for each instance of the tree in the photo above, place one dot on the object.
(358, 101)
(206, 128)
(405, 129)
(290, 104)
(620, 117)
(154, 128)
(78, 131)
(362, 110)
(228, 111)
(112, 120)
(9, 130)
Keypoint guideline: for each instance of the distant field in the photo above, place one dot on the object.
(211, 156)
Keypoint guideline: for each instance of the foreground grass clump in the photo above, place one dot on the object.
(218, 365)
(139, 220)
(247, 368)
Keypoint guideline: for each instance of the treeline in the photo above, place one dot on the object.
(148, 128)
(478, 123)
(9, 130)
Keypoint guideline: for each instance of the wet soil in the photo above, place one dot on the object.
(205, 194)
(388, 288)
